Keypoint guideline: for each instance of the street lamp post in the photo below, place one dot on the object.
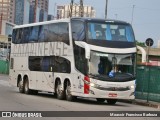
(1, 23)
(132, 13)
(116, 16)
(106, 9)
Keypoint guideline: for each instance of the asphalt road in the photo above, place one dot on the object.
(12, 100)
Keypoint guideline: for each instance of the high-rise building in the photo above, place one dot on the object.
(38, 8)
(7, 10)
(64, 11)
(42, 4)
(22, 8)
(50, 17)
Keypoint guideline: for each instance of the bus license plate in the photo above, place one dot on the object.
(112, 94)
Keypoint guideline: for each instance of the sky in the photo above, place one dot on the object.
(146, 14)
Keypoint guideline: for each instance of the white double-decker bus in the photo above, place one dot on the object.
(75, 57)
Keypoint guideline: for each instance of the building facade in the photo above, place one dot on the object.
(50, 17)
(7, 10)
(39, 10)
(43, 4)
(64, 11)
(7, 28)
(22, 8)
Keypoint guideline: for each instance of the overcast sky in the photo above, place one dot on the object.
(146, 17)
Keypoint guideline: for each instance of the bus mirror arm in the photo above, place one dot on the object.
(86, 47)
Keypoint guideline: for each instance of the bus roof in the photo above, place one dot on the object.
(99, 20)
(68, 20)
(42, 23)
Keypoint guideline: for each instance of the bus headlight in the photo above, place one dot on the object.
(92, 84)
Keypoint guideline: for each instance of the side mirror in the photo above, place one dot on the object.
(86, 47)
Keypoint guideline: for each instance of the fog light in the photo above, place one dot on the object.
(132, 87)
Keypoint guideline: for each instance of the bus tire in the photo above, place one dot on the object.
(34, 92)
(21, 86)
(111, 101)
(59, 92)
(69, 96)
(26, 87)
(101, 100)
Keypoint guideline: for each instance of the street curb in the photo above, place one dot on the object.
(143, 103)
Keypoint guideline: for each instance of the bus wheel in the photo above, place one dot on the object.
(26, 87)
(69, 96)
(101, 100)
(59, 92)
(34, 92)
(111, 101)
(20, 85)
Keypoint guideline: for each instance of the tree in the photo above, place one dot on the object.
(142, 44)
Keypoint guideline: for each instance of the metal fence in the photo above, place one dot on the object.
(148, 83)
(4, 67)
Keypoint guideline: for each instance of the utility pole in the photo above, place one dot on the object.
(81, 8)
(106, 9)
(35, 10)
(55, 4)
(1, 23)
(116, 16)
(71, 8)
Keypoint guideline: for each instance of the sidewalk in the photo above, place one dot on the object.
(143, 103)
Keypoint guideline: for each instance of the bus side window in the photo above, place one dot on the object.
(78, 30)
(63, 33)
(42, 34)
(45, 64)
(34, 34)
(25, 36)
(52, 34)
(14, 35)
(18, 36)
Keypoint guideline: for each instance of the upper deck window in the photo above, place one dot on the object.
(110, 32)
(78, 30)
(53, 32)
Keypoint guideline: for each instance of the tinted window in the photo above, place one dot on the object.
(42, 33)
(111, 32)
(58, 32)
(18, 36)
(33, 37)
(25, 35)
(63, 33)
(49, 64)
(78, 32)
(14, 35)
(55, 32)
(80, 60)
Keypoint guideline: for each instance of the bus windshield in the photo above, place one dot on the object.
(110, 32)
(112, 67)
